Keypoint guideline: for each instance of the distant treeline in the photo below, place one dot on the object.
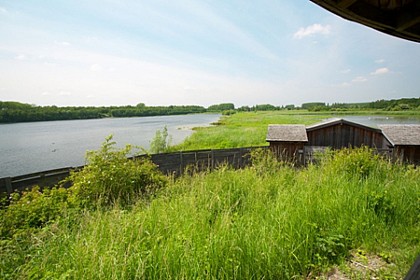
(386, 105)
(11, 112)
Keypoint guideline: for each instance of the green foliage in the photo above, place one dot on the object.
(313, 105)
(18, 112)
(161, 142)
(221, 107)
(265, 107)
(396, 104)
(228, 112)
(355, 163)
(32, 210)
(110, 177)
(269, 221)
(382, 205)
(243, 129)
(264, 162)
(328, 248)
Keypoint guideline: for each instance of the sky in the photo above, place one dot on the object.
(196, 52)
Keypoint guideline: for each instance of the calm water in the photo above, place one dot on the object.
(39, 146)
(374, 121)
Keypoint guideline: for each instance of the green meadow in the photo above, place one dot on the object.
(271, 220)
(244, 129)
(247, 129)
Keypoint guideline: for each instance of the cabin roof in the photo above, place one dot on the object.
(287, 133)
(402, 134)
(336, 121)
(400, 18)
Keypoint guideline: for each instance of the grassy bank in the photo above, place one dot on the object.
(246, 129)
(243, 129)
(267, 221)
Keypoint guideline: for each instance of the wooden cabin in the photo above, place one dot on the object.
(299, 143)
(404, 140)
(287, 141)
(340, 133)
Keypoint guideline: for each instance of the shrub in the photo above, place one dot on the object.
(161, 142)
(357, 163)
(32, 209)
(110, 176)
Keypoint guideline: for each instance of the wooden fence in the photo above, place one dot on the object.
(169, 163)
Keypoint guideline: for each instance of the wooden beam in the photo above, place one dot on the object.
(403, 27)
(346, 3)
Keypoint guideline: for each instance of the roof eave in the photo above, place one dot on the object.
(340, 122)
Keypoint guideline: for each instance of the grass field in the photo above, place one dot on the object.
(267, 221)
(247, 129)
(244, 129)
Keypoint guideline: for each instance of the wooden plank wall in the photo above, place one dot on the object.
(409, 154)
(169, 163)
(343, 135)
(288, 151)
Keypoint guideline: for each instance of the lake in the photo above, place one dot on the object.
(39, 146)
(374, 121)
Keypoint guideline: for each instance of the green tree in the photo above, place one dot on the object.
(161, 142)
(221, 107)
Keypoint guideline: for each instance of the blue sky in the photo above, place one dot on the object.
(118, 52)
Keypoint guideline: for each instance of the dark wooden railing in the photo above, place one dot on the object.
(169, 163)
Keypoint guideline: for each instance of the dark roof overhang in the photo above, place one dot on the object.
(400, 18)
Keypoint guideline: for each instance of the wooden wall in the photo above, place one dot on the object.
(169, 163)
(344, 135)
(409, 154)
(290, 151)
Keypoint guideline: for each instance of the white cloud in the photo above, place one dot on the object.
(62, 43)
(20, 57)
(359, 79)
(64, 93)
(3, 10)
(381, 60)
(380, 71)
(311, 30)
(95, 68)
(345, 71)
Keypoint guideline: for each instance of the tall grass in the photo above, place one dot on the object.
(268, 221)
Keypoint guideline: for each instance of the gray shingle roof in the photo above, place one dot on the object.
(287, 133)
(402, 134)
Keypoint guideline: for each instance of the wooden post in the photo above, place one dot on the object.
(181, 167)
(414, 273)
(9, 187)
(212, 159)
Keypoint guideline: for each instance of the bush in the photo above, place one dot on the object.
(32, 210)
(161, 142)
(110, 177)
(357, 163)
